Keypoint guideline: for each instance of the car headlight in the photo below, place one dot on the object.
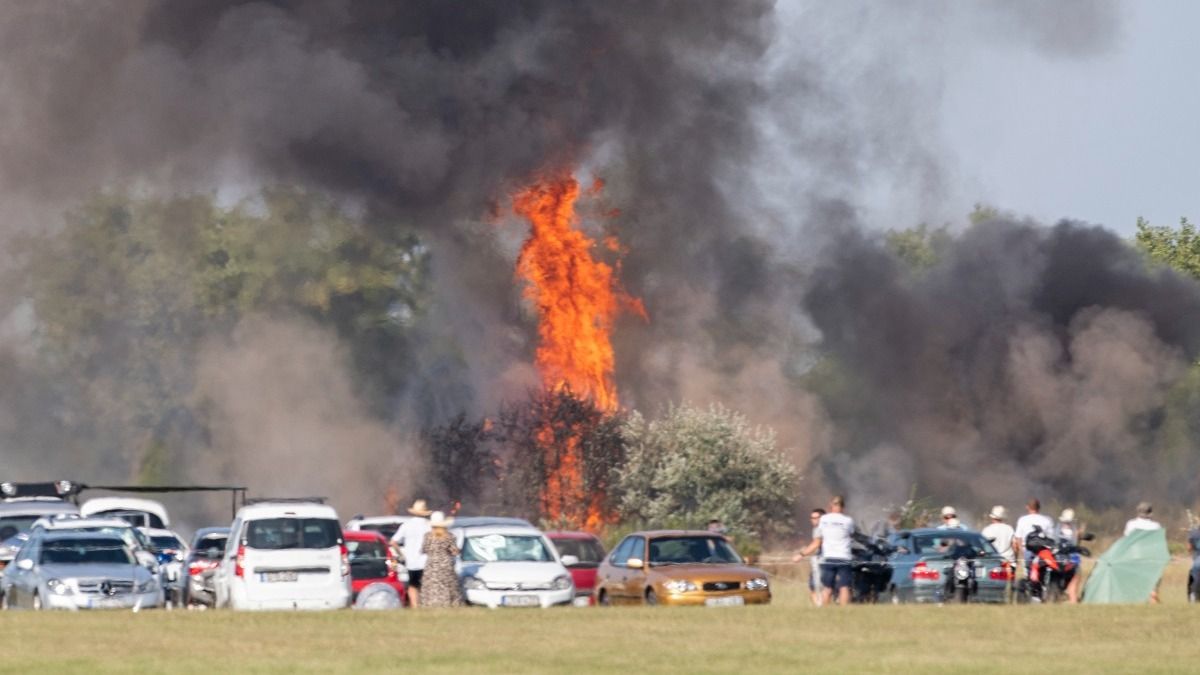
(58, 587)
(473, 584)
(756, 584)
(146, 586)
(562, 583)
(679, 586)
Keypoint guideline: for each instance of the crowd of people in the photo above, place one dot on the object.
(830, 549)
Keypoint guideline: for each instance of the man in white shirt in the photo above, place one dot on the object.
(1028, 523)
(833, 536)
(1000, 533)
(410, 538)
(1143, 521)
(950, 519)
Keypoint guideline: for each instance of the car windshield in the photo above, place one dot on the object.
(212, 546)
(129, 534)
(84, 551)
(956, 545)
(166, 542)
(589, 551)
(681, 550)
(506, 548)
(386, 529)
(12, 525)
(284, 533)
(368, 559)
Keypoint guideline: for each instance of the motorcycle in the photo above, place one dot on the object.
(1054, 564)
(872, 573)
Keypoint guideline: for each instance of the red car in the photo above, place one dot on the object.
(588, 549)
(371, 561)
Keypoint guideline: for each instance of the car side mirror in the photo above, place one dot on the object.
(570, 560)
(634, 563)
(25, 564)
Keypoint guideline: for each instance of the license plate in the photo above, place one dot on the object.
(731, 601)
(102, 603)
(273, 577)
(583, 601)
(520, 601)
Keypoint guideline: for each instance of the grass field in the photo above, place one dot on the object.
(787, 636)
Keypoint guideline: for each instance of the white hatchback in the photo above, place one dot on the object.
(512, 566)
(284, 555)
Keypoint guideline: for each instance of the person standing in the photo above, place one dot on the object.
(439, 582)
(833, 537)
(1143, 521)
(409, 538)
(1033, 520)
(950, 519)
(1068, 533)
(814, 575)
(1000, 533)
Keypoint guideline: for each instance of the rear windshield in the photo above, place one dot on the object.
(166, 543)
(679, 550)
(212, 546)
(284, 533)
(368, 559)
(505, 548)
(12, 525)
(83, 551)
(589, 551)
(953, 544)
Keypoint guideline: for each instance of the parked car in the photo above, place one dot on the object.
(207, 549)
(679, 567)
(18, 514)
(385, 525)
(135, 539)
(588, 553)
(511, 566)
(372, 561)
(172, 553)
(79, 570)
(931, 565)
(284, 555)
(139, 512)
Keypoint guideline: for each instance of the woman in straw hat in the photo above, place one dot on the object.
(439, 587)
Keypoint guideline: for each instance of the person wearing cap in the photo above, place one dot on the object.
(409, 538)
(1000, 533)
(1068, 533)
(439, 582)
(1143, 521)
(950, 519)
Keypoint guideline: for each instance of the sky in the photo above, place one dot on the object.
(1103, 139)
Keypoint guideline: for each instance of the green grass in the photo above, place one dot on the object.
(787, 636)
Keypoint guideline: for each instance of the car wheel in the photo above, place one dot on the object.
(603, 600)
(37, 601)
(651, 597)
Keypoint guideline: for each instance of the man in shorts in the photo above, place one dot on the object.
(814, 575)
(833, 536)
(410, 538)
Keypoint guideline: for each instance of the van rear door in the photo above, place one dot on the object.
(293, 558)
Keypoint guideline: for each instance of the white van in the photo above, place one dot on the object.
(284, 555)
(137, 511)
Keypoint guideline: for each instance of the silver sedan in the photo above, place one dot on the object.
(72, 570)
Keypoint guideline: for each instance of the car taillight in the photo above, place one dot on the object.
(238, 570)
(345, 561)
(1001, 573)
(923, 571)
(391, 569)
(200, 566)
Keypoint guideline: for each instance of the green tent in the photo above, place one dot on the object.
(1130, 570)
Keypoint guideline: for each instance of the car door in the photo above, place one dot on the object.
(635, 577)
(24, 582)
(613, 582)
(224, 572)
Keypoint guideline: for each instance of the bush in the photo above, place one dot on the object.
(694, 464)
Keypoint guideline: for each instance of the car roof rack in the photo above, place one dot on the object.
(286, 500)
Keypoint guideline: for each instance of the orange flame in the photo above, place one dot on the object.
(577, 299)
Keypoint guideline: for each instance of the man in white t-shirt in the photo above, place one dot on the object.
(1143, 521)
(410, 537)
(1000, 533)
(833, 536)
(1028, 523)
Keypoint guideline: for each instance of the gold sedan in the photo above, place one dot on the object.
(679, 567)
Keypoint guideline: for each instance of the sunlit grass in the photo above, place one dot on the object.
(787, 636)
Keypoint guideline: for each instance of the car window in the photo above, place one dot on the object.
(961, 544)
(84, 551)
(210, 547)
(386, 529)
(12, 525)
(288, 533)
(680, 550)
(621, 553)
(589, 551)
(368, 559)
(166, 543)
(505, 548)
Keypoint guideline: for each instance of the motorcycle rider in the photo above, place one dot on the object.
(1068, 533)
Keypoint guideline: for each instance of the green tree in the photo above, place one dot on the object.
(1176, 248)
(918, 247)
(694, 464)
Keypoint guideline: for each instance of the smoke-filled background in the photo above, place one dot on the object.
(748, 149)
